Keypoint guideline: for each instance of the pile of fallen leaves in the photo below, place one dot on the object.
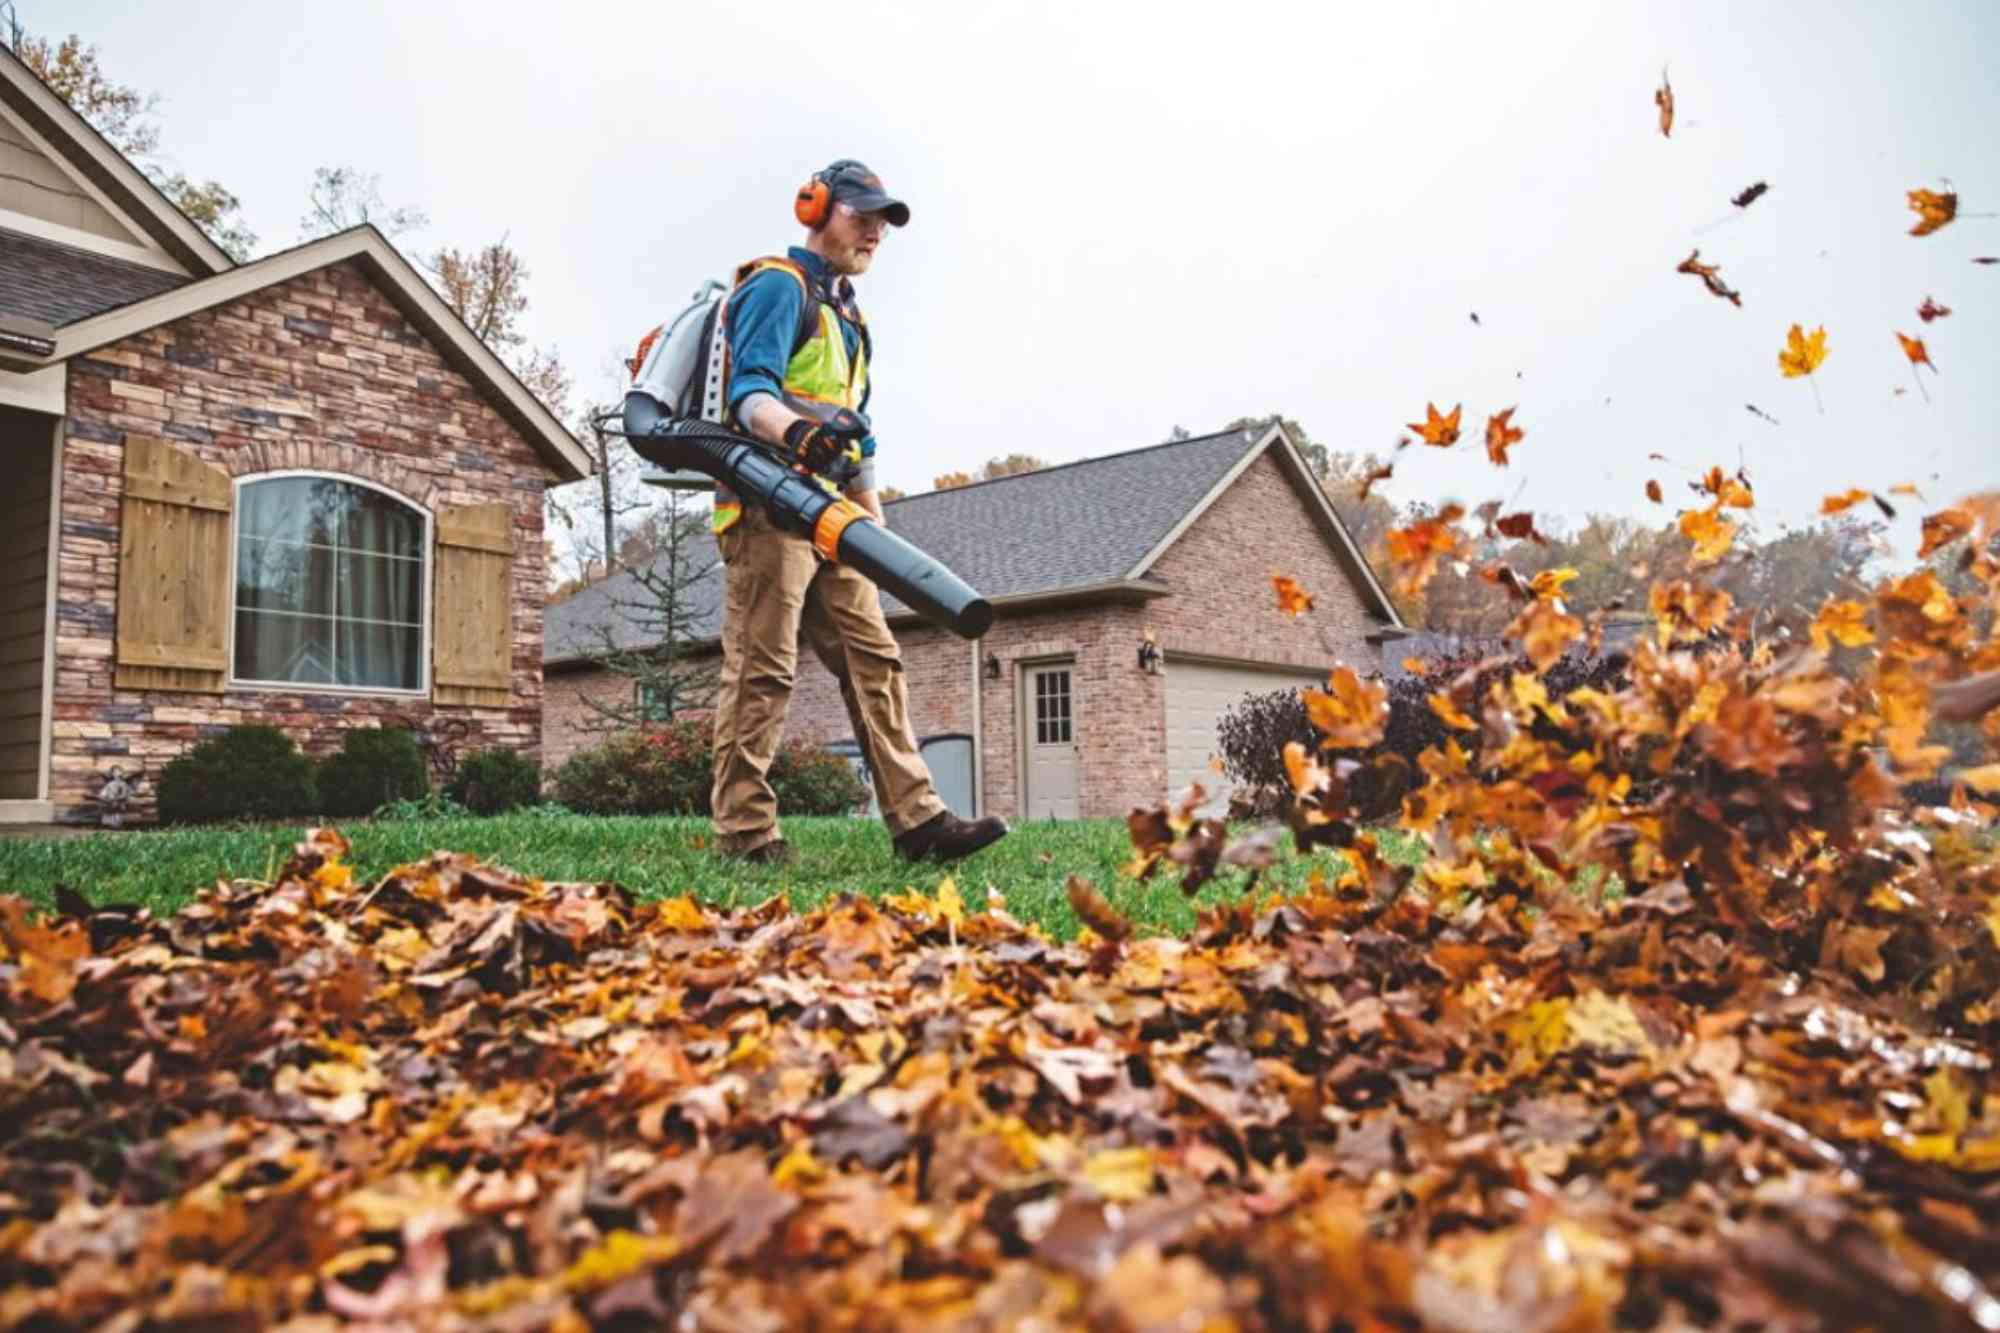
(1756, 1092)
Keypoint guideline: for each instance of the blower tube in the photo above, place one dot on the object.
(839, 529)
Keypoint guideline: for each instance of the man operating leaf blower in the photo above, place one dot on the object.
(763, 389)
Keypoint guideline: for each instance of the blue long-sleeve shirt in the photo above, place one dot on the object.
(764, 319)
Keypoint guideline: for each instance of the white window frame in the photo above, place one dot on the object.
(428, 581)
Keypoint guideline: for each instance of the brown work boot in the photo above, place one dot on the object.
(946, 837)
(776, 852)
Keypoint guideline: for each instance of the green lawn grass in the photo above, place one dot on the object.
(654, 857)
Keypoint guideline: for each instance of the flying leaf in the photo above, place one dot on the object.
(1914, 349)
(1931, 310)
(1844, 621)
(1376, 472)
(1836, 504)
(1292, 599)
(1759, 412)
(1933, 208)
(1802, 353)
(1094, 910)
(1711, 277)
(1499, 435)
(1441, 431)
(1986, 259)
(1550, 582)
(1654, 493)
(1750, 195)
(1663, 98)
(1943, 528)
(1709, 531)
(1415, 550)
(1351, 712)
(1520, 527)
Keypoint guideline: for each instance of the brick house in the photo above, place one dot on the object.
(1052, 708)
(296, 491)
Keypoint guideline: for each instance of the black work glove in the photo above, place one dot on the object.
(817, 445)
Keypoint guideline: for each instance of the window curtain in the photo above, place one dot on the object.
(329, 587)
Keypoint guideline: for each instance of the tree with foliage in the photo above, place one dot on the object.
(124, 116)
(488, 288)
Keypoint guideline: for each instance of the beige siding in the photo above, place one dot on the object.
(31, 183)
(25, 442)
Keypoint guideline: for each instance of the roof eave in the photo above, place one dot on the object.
(402, 283)
(88, 152)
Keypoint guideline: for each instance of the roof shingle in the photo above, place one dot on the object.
(60, 284)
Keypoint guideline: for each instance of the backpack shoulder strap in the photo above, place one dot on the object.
(808, 308)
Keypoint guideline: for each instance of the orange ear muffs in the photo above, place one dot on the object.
(814, 203)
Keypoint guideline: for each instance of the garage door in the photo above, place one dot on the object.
(1198, 694)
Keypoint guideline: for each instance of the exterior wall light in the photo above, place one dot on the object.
(1149, 656)
(992, 667)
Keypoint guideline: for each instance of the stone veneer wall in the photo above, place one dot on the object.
(322, 373)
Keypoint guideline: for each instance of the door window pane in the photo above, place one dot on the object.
(1052, 708)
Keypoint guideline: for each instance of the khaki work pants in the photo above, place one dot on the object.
(777, 590)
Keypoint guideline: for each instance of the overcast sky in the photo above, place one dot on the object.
(1132, 216)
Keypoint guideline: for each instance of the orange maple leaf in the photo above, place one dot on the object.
(1914, 349)
(1416, 550)
(1500, 434)
(1292, 599)
(1933, 208)
(1663, 98)
(1441, 431)
(1351, 711)
(1835, 504)
(1710, 532)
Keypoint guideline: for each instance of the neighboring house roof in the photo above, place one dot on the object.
(77, 143)
(57, 284)
(404, 286)
(1080, 531)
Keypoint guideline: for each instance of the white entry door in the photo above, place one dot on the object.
(1049, 718)
(1198, 694)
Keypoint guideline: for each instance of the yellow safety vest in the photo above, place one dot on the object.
(820, 379)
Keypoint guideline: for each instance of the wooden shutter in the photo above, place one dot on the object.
(173, 571)
(475, 606)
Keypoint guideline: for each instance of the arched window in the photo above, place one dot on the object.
(332, 585)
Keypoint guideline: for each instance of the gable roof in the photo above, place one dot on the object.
(404, 286)
(1079, 531)
(57, 284)
(86, 152)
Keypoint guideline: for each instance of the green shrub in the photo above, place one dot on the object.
(660, 771)
(247, 772)
(491, 782)
(669, 769)
(812, 780)
(375, 766)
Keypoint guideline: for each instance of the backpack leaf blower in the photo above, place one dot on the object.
(839, 529)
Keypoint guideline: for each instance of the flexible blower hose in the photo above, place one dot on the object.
(839, 529)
